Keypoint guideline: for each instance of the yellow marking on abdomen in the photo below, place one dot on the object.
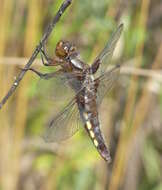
(91, 134)
(88, 125)
(95, 142)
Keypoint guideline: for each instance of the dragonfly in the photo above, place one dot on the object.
(90, 84)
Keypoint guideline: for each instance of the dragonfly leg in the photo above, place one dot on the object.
(43, 54)
(44, 76)
(49, 61)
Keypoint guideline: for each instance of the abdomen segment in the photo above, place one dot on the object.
(93, 129)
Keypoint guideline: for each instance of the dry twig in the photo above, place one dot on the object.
(51, 26)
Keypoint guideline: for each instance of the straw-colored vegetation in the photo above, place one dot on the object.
(131, 114)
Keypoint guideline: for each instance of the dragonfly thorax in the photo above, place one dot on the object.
(77, 63)
(89, 83)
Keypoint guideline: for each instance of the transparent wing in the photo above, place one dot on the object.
(53, 93)
(57, 87)
(104, 58)
(64, 125)
(105, 82)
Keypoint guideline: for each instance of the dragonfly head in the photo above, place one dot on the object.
(64, 49)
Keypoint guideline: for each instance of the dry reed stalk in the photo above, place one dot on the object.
(30, 39)
(5, 143)
(122, 149)
(146, 97)
(142, 112)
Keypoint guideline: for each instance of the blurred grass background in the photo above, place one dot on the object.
(131, 114)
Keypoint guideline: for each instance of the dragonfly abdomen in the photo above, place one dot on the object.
(90, 117)
(92, 126)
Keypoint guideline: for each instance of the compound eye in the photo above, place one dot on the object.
(66, 48)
